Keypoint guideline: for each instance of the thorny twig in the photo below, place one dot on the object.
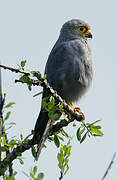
(109, 167)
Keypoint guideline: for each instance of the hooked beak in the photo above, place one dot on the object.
(88, 34)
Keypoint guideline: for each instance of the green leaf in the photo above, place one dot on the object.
(44, 77)
(65, 148)
(7, 115)
(12, 143)
(32, 175)
(35, 169)
(82, 130)
(66, 161)
(52, 100)
(1, 119)
(67, 168)
(45, 102)
(56, 141)
(14, 174)
(60, 158)
(83, 138)
(24, 78)
(96, 135)
(3, 148)
(21, 137)
(55, 116)
(63, 157)
(20, 160)
(68, 150)
(23, 63)
(79, 134)
(50, 138)
(96, 121)
(29, 86)
(98, 127)
(9, 104)
(33, 151)
(19, 154)
(96, 131)
(60, 138)
(12, 123)
(41, 176)
(4, 140)
(27, 175)
(51, 109)
(61, 106)
(64, 133)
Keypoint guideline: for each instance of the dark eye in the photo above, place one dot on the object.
(82, 29)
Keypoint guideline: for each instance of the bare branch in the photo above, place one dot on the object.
(13, 69)
(109, 167)
(61, 176)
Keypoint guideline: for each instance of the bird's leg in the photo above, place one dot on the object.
(71, 105)
(76, 109)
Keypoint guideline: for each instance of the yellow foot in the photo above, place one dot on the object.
(76, 109)
(79, 111)
(71, 105)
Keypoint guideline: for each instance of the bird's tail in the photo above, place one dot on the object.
(41, 120)
(40, 124)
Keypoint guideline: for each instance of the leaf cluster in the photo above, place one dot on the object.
(63, 158)
(33, 174)
(54, 110)
(12, 177)
(4, 119)
(88, 130)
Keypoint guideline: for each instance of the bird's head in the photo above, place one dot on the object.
(76, 28)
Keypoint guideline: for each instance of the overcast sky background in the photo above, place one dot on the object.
(28, 30)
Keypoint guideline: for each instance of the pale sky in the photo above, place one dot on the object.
(28, 30)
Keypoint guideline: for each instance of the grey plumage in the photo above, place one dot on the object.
(69, 67)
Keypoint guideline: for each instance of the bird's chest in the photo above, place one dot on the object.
(81, 66)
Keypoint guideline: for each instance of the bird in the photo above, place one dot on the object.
(69, 69)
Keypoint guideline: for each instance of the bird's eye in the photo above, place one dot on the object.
(82, 29)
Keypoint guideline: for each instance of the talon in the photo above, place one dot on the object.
(71, 105)
(76, 109)
(79, 111)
